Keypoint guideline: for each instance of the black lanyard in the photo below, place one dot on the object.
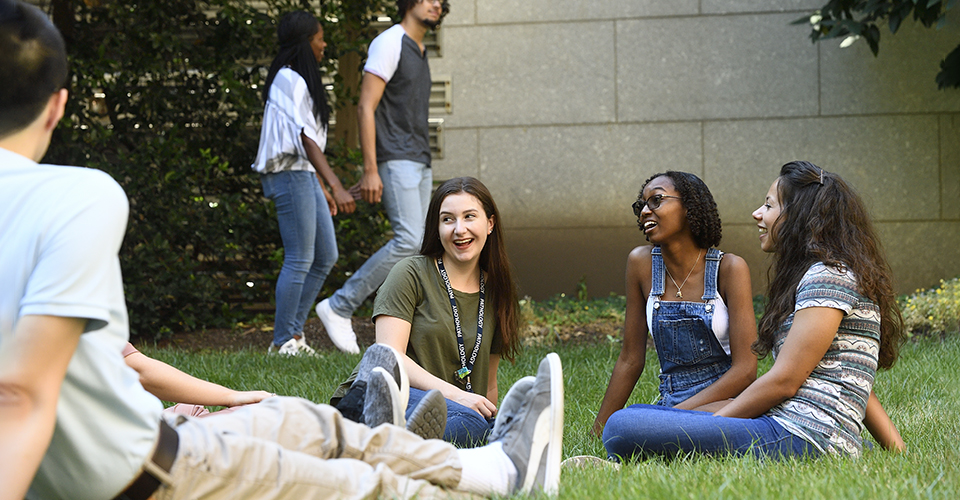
(464, 372)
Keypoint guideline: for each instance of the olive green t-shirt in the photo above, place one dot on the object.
(414, 292)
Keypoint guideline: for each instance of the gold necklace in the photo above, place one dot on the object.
(679, 293)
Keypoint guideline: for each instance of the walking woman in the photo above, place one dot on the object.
(831, 321)
(291, 163)
(695, 299)
(453, 309)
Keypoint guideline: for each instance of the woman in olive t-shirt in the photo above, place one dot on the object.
(435, 306)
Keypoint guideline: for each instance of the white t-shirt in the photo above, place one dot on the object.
(383, 55)
(288, 112)
(61, 229)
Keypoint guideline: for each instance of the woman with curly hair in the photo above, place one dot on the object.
(693, 298)
(832, 320)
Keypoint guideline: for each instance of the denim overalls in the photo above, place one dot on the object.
(691, 357)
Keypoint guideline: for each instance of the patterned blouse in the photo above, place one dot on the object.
(287, 114)
(828, 409)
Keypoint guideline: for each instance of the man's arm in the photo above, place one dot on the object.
(371, 90)
(33, 364)
(171, 384)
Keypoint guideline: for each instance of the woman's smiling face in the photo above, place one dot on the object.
(767, 215)
(464, 227)
(669, 218)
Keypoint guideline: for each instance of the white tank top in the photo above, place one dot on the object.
(721, 320)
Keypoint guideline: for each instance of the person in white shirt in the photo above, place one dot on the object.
(291, 163)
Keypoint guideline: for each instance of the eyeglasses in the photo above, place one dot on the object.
(653, 202)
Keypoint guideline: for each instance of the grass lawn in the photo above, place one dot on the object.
(920, 393)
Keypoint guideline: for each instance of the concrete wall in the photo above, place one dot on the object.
(564, 107)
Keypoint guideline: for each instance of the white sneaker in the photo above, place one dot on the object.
(338, 328)
(292, 347)
(304, 348)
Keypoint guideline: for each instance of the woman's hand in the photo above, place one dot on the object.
(478, 403)
(239, 398)
(331, 203)
(344, 200)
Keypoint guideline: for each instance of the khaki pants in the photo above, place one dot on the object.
(292, 448)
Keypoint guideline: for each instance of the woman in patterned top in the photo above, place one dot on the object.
(832, 320)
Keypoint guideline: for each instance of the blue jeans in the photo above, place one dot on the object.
(647, 430)
(682, 385)
(465, 427)
(406, 196)
(309, 247)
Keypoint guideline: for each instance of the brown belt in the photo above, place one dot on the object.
(145, 485)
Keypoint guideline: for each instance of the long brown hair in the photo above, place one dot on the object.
(822, 219)
(493, 257)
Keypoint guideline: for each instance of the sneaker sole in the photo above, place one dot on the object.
(429, 419)
(511, 403)
(395, 406)
(400, 375)
(548, 435)
(588, 462)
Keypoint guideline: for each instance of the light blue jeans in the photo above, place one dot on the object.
(465, 427)
(648, 430)
(309, 247)
(406, 195)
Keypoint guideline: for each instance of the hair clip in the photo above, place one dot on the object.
(821, 176)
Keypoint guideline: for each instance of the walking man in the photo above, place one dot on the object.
(394, 138)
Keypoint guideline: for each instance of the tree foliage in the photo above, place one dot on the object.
(165, 97)
(854, 19)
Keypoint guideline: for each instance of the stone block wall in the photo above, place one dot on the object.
(564, 107)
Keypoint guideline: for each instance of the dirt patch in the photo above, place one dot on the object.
(259, 337)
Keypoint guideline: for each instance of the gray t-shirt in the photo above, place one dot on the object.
(402, 115)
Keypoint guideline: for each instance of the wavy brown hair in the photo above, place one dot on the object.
(822, 219)
(702, 215)
(493, 257)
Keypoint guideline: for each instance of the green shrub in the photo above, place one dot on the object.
(165, 98)
(934, 311)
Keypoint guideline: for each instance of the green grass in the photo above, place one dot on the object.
(920, 393)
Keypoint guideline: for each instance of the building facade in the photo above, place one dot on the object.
(564, 107)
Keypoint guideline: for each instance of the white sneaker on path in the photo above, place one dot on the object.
(339, 329)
